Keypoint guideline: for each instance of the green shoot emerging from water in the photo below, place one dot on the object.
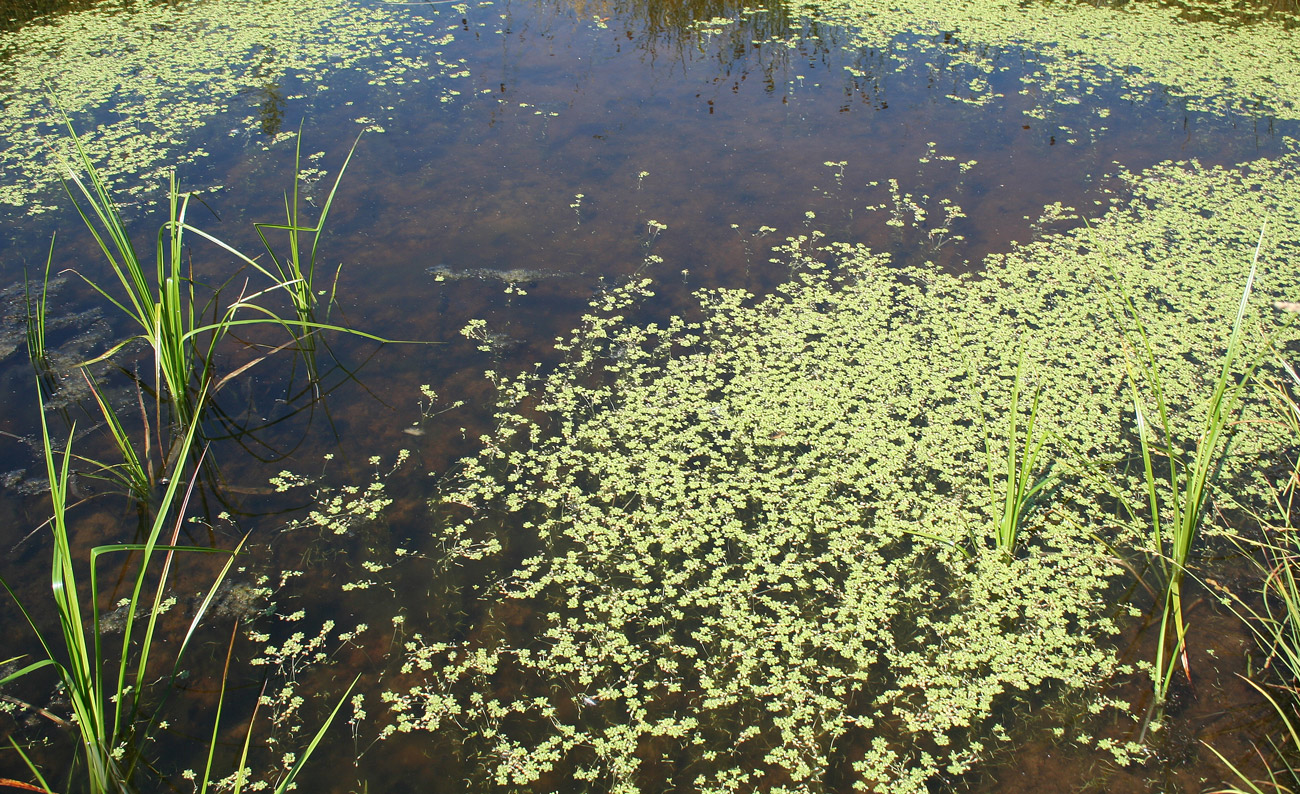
(1015, 498)
(35, 314)
(164, 306)
(106, 697)
(1184, 480)
(294, 270)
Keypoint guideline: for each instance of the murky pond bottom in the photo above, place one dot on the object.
(665, 589)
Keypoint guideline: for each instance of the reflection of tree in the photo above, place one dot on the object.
(14, 14)
(732, 31)
(1238, 12)
(270, 112)
(664, 20)
(764, 40)
(269, 96)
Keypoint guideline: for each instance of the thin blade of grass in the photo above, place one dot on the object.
(155, 531)
(311, 747)
(248, 740)
(44, 787)
(137, 476)
(216, 719)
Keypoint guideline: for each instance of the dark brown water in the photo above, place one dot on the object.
(455, 207)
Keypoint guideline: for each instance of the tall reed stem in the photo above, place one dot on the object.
(1186, 479)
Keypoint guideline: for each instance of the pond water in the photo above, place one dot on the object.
(516, 160)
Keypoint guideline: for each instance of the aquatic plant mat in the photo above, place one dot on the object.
(770, 545)
(766, 538)
(1230, 59)
(150, 76)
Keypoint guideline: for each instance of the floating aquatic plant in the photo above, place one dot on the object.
(150, 75)
(1206, 57)
(747, 524)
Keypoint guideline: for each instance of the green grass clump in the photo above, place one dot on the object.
(295, 270)
(163, 307)
(183, 327)
(1022, 483)
(34, 315)
(1274, 616)
(105, 698)
(111, 699)
(1178, 489)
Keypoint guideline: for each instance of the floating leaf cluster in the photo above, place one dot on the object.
(1212, 55)
(764, 538)
(141, 80)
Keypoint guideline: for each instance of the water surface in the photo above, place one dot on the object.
(517, 158)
